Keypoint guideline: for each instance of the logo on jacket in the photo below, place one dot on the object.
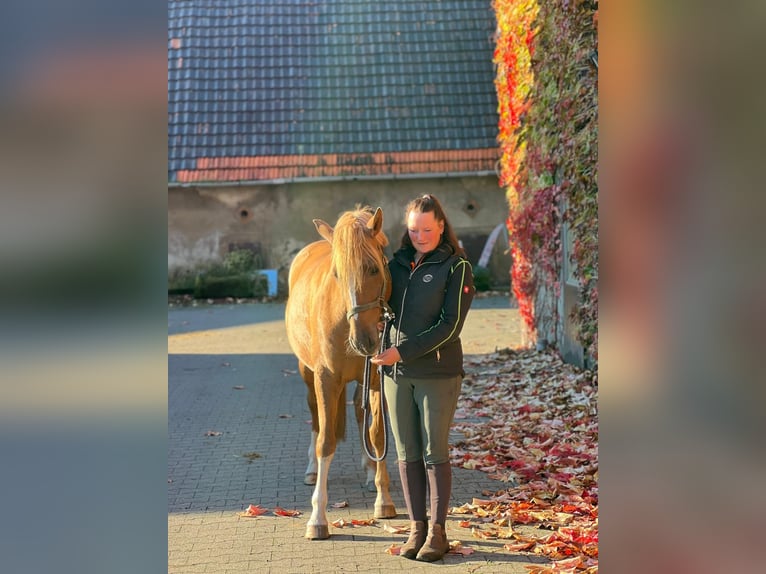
(427, 278)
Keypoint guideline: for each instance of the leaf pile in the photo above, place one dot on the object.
(531, 421)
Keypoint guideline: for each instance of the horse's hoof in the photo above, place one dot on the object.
(310, 479)
(318, 532)
(385, 511)
(371, 486)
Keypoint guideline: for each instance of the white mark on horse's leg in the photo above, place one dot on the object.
(311, 469)
(318, 527)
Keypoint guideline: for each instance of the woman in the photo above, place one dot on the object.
(432, 289)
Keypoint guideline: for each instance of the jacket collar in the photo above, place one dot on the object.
(442, 252)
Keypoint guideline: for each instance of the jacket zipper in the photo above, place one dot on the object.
(404, 296)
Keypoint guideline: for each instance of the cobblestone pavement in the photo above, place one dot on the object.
(230, 371)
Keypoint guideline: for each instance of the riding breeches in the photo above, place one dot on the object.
(421, 412)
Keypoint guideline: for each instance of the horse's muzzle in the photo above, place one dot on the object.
(364, 345)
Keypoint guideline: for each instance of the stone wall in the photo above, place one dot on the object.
(205, 223)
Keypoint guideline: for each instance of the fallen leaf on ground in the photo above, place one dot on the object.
(282, 512)
(285, 416)
(519, 546)
(342, 504)
(396, 529)
(213, 433)
(342, 523)
(251, 456)
(394, 550)
(253, 511)
(486, 535)
(456, 547)
(238, 387)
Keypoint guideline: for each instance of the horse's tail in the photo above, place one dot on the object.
(340, 419)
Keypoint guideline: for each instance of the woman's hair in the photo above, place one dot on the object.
(424, 204)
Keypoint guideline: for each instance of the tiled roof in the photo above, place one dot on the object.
(269, 89)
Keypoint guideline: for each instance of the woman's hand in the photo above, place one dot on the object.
(387, 357)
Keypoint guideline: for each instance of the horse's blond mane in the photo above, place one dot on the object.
(353, 245)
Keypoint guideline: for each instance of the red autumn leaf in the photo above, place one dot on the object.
(456, 547)
(282, 512)
(569, 563)
(393, 550)
(253, 511)
(464, 524)
(518, 546)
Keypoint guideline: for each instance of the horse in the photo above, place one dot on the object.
(338, 287)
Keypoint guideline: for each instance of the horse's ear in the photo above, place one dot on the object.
(376, 222)
(324, 229)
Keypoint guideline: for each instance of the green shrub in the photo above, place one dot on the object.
(209, 286)
(181, 282)
(241, 261)
(481, 278)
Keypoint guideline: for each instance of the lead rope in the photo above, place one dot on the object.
(388, 316)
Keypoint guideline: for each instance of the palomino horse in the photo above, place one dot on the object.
(338, 288)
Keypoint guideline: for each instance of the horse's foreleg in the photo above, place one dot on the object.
(327, 394)
(318, 527)
(384, 506)
(367, 464)
(310, 477)
(307, 374)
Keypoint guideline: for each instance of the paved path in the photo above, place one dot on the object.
(213, 350)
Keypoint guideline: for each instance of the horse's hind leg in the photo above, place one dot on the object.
(384, 506)
(367, 464)
(307, 374)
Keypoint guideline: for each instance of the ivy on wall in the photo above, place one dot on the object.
(547, 69)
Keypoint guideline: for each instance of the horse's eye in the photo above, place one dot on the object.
(373, 271)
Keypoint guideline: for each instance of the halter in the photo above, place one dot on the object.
(380, 302)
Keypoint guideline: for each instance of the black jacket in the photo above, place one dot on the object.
(431, 302)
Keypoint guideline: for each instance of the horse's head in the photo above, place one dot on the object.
(359, 266)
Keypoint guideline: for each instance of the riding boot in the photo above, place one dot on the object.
(440, 484)
(413, 475)
(417, 538)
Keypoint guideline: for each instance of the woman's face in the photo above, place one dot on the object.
(425, 231)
